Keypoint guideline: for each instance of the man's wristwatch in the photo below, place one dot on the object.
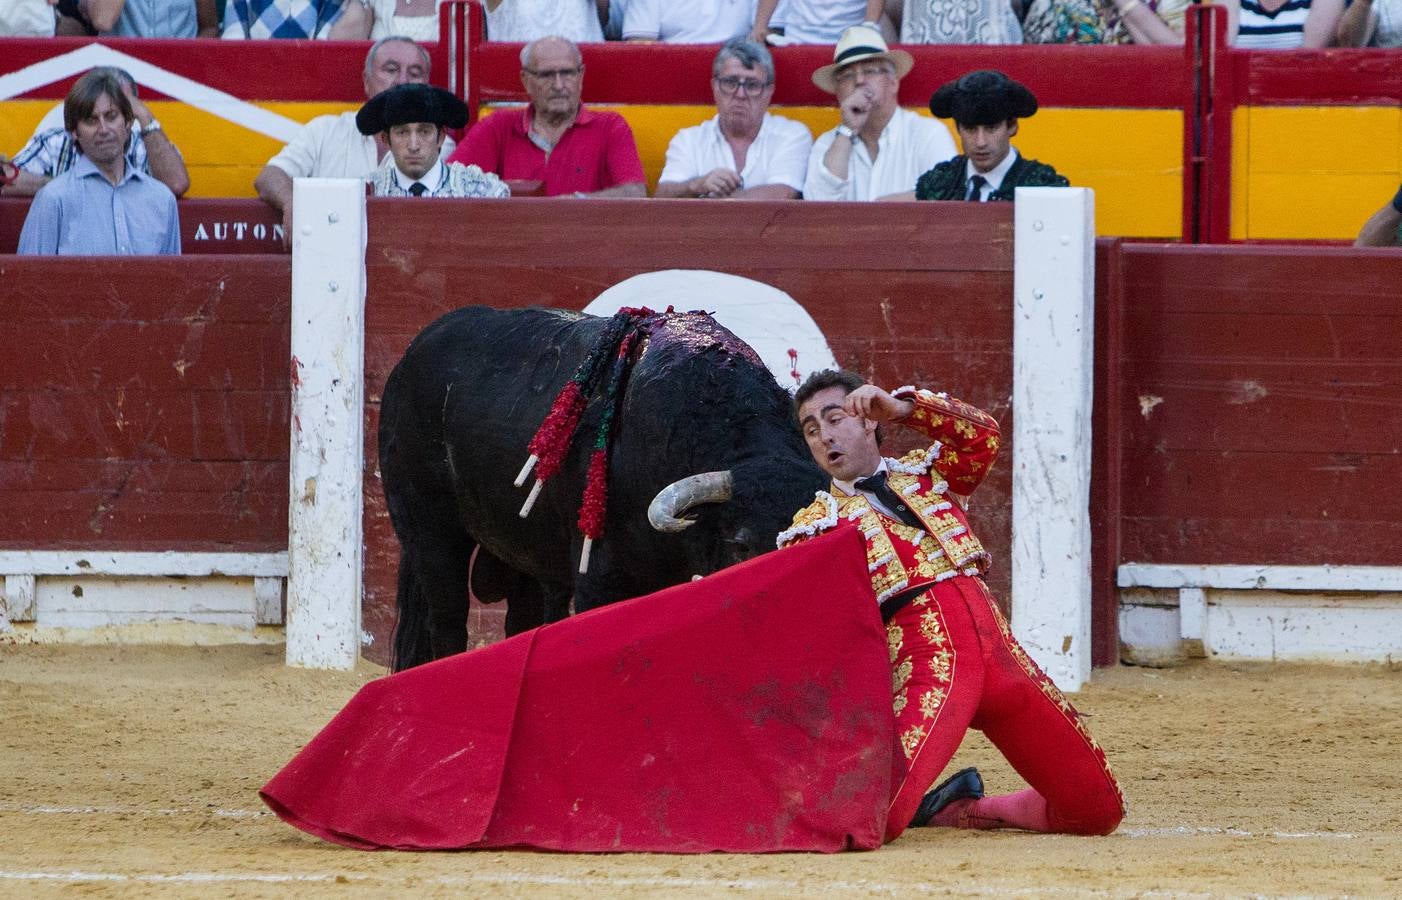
(844, 131)
(151, 128)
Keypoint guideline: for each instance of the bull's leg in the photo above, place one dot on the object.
(557, 602)
(443, 573)
(525, 605)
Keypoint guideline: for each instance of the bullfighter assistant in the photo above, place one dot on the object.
(954, 661)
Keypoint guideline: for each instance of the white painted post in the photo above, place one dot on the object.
(328, 400)
(1192, 613)
(16, 599)
(1053, 310)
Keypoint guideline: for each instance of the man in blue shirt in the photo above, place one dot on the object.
(102, 206)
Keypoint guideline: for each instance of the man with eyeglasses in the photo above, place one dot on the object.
(742, 152)
(556, 140)
(879, 148)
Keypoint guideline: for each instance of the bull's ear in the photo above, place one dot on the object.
(743, 538)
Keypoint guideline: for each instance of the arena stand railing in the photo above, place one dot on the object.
(1202, 143)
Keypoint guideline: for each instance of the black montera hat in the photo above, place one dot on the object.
(984, 97)
(411, 102)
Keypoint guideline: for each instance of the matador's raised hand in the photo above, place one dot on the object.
(871, 402)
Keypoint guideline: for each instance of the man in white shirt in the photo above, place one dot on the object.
(332, 146)
(694, 22)
(879, 148)
(412, 118)
(743, 152)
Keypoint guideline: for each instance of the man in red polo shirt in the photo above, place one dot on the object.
(555, 140)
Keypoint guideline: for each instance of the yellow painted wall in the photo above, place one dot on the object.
(1131, 158)
(1312, 172)
(222, 158)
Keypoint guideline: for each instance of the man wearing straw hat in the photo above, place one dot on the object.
(879, 148)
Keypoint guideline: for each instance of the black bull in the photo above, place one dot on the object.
(459, 410)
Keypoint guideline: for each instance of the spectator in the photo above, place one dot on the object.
(556, 140)
(27, 18)
(343, 20)
(743, 151)
(417, 19)
(1384, 227)
(694, 22)
(1105, 21)
(985, 106)
(816, 21)
(613, 21)
(411, 118)
(530, 20)
(51, 151)
(1371, 23)
(879, 148)
(1282, 24)
(101, 206)
(139, 18)
(331, 146)
(959, 22)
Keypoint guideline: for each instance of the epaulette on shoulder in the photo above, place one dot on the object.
(916, 462)
(817, 516)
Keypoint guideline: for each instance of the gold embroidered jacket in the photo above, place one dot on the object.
(936, 480)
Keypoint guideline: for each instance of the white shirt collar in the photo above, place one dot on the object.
(850, 487)
(431, 178)
(994, 177)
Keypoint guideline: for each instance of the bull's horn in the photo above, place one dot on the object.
(671, 503)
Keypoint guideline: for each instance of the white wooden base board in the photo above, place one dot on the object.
(67, 590)
(1265, 625)
(76, 602)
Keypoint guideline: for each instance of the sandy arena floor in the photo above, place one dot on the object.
(134, 771)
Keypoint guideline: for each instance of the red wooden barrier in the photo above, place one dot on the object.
(1259, 405)
(144, 403)
(1246, 397)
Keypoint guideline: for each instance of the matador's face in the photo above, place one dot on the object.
(843, 445)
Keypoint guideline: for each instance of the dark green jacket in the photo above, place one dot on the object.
(946, 181)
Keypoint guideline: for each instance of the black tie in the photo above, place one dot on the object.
(877, 485)
(975, 188)
(418, 188)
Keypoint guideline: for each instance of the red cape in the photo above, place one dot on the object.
(749, 712)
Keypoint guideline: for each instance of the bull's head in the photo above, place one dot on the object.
(751, 505)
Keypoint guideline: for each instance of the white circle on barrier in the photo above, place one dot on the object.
(766, 318)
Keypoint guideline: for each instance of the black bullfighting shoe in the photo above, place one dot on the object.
(966, 784)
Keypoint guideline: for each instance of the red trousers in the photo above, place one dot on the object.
(956, 665)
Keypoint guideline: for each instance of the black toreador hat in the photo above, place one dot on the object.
(411, 102)
(984, 97)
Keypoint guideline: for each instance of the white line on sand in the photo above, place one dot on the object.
(1162, 832)
(1195, 831)
(130, 811)
(758, 885)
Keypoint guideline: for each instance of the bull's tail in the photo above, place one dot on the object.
(413, 636)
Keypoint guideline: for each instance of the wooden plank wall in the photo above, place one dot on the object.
(1261, 405)
(144, 403)
(925, 300)
(1247, 397)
